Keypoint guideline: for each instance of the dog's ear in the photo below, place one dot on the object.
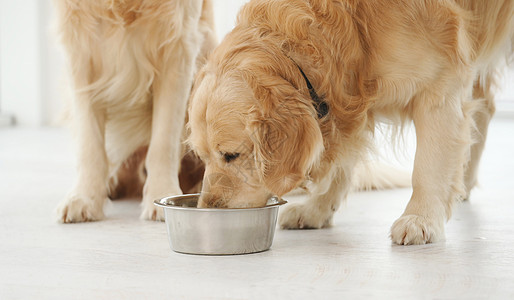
(285, 133)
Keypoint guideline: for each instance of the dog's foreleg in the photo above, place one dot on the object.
(443, 135)
(171, 93)
(86, 200)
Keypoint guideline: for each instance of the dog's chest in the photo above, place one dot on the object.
(123, 10)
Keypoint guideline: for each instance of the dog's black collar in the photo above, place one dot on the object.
(319, 103)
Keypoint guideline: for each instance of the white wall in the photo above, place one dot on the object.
(225, 12)
(53, 68)
(32, 65)
(20, 60)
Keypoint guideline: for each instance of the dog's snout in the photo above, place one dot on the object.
(209, 200)
(217, 190)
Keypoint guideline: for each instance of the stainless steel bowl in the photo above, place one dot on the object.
(218, 231)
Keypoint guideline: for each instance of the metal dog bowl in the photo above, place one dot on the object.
(218, 231)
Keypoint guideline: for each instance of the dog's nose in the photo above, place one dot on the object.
(209, 200)
(217, 190)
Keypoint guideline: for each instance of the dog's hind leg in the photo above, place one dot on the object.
(483, 94)
(130, 176)
(324, 201)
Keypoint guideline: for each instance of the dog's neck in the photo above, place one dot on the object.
(319, 103)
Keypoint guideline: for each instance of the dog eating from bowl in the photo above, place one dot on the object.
(292, 96)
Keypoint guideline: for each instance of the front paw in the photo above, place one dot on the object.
(155, 191)
(152, 212)
(301, 216)
(76, 208)
(416, 230)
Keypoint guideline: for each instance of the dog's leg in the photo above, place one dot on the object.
(481, 92)
(443, 136)
(163, 159)
(206, 28)
(318, 210)
(130, 176)
(86, 201)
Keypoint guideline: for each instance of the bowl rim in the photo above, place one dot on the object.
(159, 203)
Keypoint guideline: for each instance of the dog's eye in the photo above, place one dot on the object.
(228, 157)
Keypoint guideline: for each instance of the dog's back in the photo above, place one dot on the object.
(491, 31)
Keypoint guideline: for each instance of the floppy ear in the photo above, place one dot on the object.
(285, 132)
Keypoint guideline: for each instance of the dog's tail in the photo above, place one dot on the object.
(374, 175)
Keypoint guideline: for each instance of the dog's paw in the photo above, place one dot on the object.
(416, 230)
(301, 216)
(75, 209)
(152, 212)
(155, 190)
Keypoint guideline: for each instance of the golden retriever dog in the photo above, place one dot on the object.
(132, 64)
(293, 94)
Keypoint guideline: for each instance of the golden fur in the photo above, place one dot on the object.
(431, 61)
(132, 64)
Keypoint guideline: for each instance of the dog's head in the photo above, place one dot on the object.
(257, 134)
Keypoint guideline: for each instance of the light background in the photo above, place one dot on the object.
(33, 84)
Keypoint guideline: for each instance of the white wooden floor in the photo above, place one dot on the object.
(123, 257)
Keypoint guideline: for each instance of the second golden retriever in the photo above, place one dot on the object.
(293, 94)
(132, 65)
